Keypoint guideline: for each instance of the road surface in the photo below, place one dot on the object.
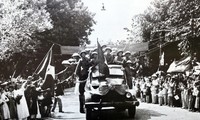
(144, 111)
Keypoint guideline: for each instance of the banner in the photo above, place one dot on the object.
(69, 50)
(137, 47)
(180, 66)
(132, 47)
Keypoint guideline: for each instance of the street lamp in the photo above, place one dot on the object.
(103, 7)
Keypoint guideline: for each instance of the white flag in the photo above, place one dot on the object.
(162, 62)
(51, 71)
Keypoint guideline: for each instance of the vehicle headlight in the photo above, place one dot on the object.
(95, 84)
(128, 95)
(102, 88)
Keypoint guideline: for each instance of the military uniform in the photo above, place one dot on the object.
(109, 58)
(118, 60)
(82, 73)
(108, 55)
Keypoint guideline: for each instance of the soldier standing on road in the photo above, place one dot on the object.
(127, 64)
(128, 71)
(82, 72)
(59, 91)
(76, 57)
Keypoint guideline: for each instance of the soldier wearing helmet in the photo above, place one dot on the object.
(93, 59)
(127, 56)
(108, 55)
(119, 58)
(76, 57)
(128, 72)
(82, 71)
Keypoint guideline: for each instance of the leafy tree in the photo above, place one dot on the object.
(29, 27)
(136, 34)
(19, 20)
(185, 18)
(144, 25)
(173, 20)
(72, 23)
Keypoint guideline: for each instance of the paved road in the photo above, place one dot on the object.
(144, 111)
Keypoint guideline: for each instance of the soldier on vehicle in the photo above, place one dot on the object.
(127, 56)
(104, 47)
(108, 55)
(93, 59)
(119, 58)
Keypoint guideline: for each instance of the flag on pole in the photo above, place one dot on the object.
(100, 53)
(45, 66)
(162, 61)
(50, 71)
(102, 64)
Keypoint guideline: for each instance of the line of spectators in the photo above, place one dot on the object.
(174, 90)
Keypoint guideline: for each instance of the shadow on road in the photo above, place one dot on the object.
(110, 115)
(141, 114)
(145, 114)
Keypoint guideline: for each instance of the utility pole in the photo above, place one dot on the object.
(192, 23)
(160, 47)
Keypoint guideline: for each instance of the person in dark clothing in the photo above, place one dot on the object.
(12, 106)
(119, 58)
(94, 59)
(58, 93)
(46, 103)
(28, 92)
(109, 57)
(48, 87)
(127, 56)
(34, 102)
(82, 71)
(49, 83)
(139, 71)
(148, 94)
(177, 97)
(128, 73)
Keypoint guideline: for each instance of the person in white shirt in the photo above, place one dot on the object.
(3, 101)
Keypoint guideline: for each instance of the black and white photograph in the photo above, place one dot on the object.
(99, 59)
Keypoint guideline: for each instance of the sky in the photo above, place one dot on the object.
(117, 15)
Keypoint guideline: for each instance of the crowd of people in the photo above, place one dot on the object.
(32, 98)
(173, 90)
(36, 97)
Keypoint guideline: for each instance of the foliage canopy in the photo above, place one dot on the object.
(169, 20)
